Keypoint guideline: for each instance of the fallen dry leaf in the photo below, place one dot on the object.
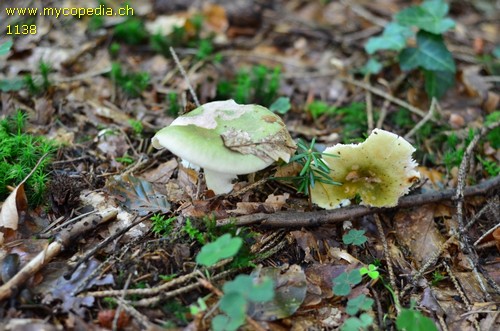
(9, 215)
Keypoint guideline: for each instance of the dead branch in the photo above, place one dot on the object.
(315, 218)
(63, 239)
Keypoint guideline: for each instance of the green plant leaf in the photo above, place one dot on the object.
(496, 52)
(281, 105)
(224, 247)
(14, 84)
(431, 54)
(355, 237)
(371, 271)
(356, 324)
(354, 277)
(245, 285)
(430, 17)
(393, 38)
(372, 66)
(438, 82)
(343, 282)
(413, 320)
(5, 47)
(226, 323)
(361, 302)
(234, 305)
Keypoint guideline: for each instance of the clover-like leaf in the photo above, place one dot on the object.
(344, 282)
(361, 302)
(254, 291)
(371, 271)
(355, 237)
(224, 247)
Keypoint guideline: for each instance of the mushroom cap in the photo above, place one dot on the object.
(226, 137)
(380, 170)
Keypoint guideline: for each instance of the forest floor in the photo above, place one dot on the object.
(99, 230)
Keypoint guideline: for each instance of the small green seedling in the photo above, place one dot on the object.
(131, 31)
(314, 169)
(355, 237)
(162, 226)
(359, 303)
(193, 232)
(363, 322)
(5, 47)
(371, 271)
(258, 84)
(133, 84)
(223, 248)
(20, 152)
(437, 277)
(345, 281)
(413, 320)
(281, 105)
(237, 295)
(198, 307)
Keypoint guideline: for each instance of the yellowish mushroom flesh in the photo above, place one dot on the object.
(379, 170)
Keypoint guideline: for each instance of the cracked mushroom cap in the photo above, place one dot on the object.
(227, 139)
(380, 170)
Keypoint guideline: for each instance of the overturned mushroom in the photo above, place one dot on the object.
(379, 170)
(227, 139)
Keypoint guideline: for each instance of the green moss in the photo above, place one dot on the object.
(19, 154)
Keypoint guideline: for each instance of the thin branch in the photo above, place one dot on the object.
(316, 218)
(186, 78)
(427, 117)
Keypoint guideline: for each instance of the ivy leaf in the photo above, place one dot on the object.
(431, 54)
(224, 247)
(393, 38)
(355, 237)
(429, 17)
(438, 82)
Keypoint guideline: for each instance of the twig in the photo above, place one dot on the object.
(104, 243)
(383, 94)
(143, 320)
(184, 74)
(315, 218)
(462, 172)
(427, 117)
(392, 278)
(62, 240)
(369, 106)
(120, 306)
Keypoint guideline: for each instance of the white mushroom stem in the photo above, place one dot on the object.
(219, 182)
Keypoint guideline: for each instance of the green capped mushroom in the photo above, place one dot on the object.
(227, 139)
(380, 170)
